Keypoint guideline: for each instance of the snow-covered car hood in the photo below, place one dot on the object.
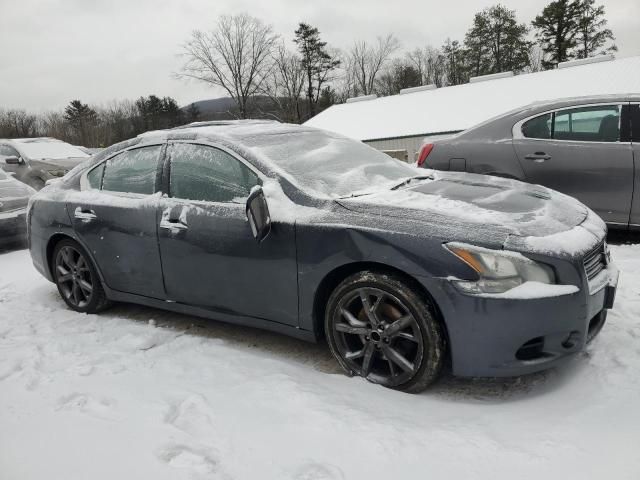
(477, 206)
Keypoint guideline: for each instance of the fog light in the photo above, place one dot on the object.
(572, 339)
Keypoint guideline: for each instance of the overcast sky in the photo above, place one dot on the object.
(53, 51)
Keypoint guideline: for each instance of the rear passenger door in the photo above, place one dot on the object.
(210, 258)
(114, 216)
(580, 151)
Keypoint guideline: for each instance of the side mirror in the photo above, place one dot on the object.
(258, 214)
(13, 161)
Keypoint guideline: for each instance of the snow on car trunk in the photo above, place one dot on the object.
(139, 393)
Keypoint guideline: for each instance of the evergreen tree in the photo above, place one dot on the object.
(496, 42)
(81, 117)
(399, 76)
(317, 62)
(556, 31)
(454, 66)
(592, 31)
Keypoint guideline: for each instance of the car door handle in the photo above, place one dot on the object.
(538, 157)
(84, 214)
(173, 224)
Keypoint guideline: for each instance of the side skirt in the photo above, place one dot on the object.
(260, 323)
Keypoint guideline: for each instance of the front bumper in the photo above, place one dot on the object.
(13, 227)
(497, 337)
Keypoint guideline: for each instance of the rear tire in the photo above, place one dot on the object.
(379, 328)
(77, 278)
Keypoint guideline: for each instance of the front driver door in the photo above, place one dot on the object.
(210, 258)
(578, 151)
(114, 216)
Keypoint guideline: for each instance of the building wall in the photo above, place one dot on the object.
(410, 144)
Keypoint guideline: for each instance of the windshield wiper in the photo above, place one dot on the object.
(410, 180)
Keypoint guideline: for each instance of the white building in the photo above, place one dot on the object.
(399, 123)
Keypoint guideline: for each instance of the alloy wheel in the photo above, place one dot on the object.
(377, 336)
(74, 277)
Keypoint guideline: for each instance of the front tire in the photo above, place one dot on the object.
(76, 278)
(381, 329)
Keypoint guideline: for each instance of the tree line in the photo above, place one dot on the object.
(268, 78)
(98, 126)
(246, 58)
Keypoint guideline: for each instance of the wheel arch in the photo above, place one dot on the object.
(332, 279)
(57, 238)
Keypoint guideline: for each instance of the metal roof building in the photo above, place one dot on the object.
(400, 122)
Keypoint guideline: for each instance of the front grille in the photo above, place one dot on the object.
(595, 261)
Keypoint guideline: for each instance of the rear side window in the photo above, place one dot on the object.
(133, 171)
(585, 124)
(588, 124)
(200, 172)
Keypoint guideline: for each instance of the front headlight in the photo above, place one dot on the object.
(498, 270)
(57, 173)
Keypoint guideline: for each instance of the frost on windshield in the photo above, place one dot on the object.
(328, 164)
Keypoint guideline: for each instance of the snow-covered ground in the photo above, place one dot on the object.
(140, 393)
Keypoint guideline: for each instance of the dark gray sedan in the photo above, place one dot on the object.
(314, 235)
(587, 147)
(14, 196)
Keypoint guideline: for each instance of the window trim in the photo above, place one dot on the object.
(631, 141)
(517, 134)
(84, 181)
(166, 170)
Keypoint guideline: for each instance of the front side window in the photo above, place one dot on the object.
(635, 123)
(133, 171)
(200, 172)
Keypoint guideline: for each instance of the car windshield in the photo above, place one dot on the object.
(329, 164)
(38, 149)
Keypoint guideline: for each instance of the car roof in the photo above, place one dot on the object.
(236, 135)
(567, 101)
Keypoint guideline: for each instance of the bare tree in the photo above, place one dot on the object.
(235, 55)
(285, 83)
(365, 61)
(18, 123)
(430, 62)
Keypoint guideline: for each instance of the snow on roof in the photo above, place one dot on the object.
(459, 107)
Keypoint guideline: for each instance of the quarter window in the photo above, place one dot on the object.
(200, 172)
(95, 177)
(538, 127)
(133, 171)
